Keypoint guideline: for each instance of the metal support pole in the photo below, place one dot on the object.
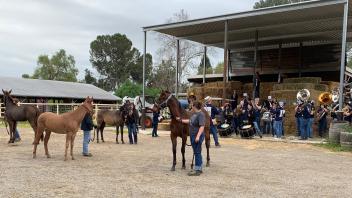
(255, 60)
(228, 65)
(225, 61)
(343, 55)
(204, 63)
(177, 66)
(144, 54)
(300, 60)
(279, 63)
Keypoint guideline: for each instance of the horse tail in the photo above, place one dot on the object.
(37, 114)
(94, 129)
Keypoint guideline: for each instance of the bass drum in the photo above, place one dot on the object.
(225, 130)
(246, 131)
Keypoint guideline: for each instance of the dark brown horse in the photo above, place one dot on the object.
(112, 118)
(66, 123)
(14, 113)
(181, 130)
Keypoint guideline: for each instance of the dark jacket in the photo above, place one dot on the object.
(134, 118)
(87, 123)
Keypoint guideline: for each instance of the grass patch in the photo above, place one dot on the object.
(333, 147)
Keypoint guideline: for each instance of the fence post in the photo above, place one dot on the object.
(57, 109)
(96, 110)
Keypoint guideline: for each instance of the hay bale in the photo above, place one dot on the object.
(294, 86)
(314, 80)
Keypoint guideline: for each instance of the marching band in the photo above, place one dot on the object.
(252, 117)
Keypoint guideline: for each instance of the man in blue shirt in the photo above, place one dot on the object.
(156, 115)
(304, 124)
(279, 112)
(213, 111)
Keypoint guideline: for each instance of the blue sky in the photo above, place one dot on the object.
(29, 28)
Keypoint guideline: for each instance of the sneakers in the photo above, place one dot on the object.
(17, 139)
(195, 173)
(217, 145)
(87, 155)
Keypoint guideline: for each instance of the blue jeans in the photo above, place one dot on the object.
(278, 128)
(310, 127)
(155, 130)
(215, 134)
(267, 127)
(86, 139)
(256, 124)
(298, 125)
(322, 126)
(17, 134)
(304, 132)
(132, 133)
(197, 150)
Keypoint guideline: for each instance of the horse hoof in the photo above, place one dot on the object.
(183, 167)
(208, 164)
(117, 143)
(123, 142)
(103, 141)
(48, 156)
(172, 168)
(73, 158)
(192, 167)
(65, 159)
(34, 156)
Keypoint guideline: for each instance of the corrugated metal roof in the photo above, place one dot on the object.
(53, 89)
(306, 22)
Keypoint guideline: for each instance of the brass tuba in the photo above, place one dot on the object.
(303, 95)
(325, 98)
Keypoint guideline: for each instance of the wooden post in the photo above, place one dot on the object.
(225, 61)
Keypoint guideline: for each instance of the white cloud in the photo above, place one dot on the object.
(29, 28)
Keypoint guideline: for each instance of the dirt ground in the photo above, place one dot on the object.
(240, 168)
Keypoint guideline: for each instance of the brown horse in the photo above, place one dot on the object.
(112, 118)
(181, 130)
(66, 123)
(14, 113)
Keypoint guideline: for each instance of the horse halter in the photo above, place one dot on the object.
(87, 109)
(165, 102)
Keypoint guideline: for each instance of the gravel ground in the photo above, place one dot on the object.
(240, 168)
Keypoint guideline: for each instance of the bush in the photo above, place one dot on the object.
(132, 90)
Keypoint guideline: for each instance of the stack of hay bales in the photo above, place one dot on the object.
(265, 89)
(215, 90)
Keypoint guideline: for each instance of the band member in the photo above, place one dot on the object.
(234, 100)
(304, 124)
(279, 112)
(299, 117)
(322, 113)
(256, 85)
(213, 111)
(257, 108)
(347, 112)
(245, 101)
(311, 119)
(268, 126)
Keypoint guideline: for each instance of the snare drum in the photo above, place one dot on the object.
(246, 131)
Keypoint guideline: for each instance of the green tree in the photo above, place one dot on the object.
(114, 58)
(131, 89)
(164, 76)
(271, 3)
(89, 77)
(59, 67)
(26, 76)
(136, 69)
(208, 70)
(219, 69)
